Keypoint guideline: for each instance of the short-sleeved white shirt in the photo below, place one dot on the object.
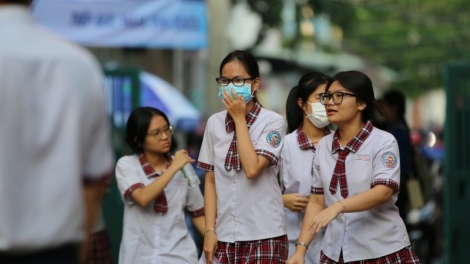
(246, 209)
(296, 167)
(369, 234)
(54, 134)
(150, 237)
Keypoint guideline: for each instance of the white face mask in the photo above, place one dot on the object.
(318, 116)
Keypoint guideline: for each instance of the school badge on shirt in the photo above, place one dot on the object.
(389, 160)
(274, 139)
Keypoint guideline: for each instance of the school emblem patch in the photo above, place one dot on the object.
(389, 160)
(274, 139)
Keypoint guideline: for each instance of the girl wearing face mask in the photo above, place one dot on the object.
(245, 220)
(306, 125)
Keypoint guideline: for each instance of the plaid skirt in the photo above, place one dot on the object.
(100, 249)
(403, 256)
(265, 251)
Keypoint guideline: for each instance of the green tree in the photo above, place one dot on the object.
(415, 38)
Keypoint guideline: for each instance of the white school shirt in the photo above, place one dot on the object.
(54, 134)
(369, 234)
(246, 209)
(296, 167)
(150, 237)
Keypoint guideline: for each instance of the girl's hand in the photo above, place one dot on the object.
(181, 159)
(297, 258)
(323, 218)
(235, 105)
(210, 246)
(295, 202)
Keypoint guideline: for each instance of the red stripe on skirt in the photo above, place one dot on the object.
(403, 256)
(100, 249)
(265, 251)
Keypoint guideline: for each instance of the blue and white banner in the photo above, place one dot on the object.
(180, 24)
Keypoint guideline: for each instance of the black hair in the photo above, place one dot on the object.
(397, 99)
(361, 85)
(138, 124)
(246, 59)
(307, 85)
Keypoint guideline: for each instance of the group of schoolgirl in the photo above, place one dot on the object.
(312, 196)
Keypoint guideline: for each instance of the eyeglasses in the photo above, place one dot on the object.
(337, 97)
(237, 81)
(158, 134)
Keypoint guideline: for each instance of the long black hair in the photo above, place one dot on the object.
(138, 124)
(361, 85)
(307, 85)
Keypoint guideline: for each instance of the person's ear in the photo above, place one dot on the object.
(255, 85)
(361, 106)
(300, 102)
(135, 140)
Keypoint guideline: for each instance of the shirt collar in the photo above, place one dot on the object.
(250, 117)
(148, 169)
(304, 142)
(356, 142)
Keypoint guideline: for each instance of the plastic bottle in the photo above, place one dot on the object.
(190, 175)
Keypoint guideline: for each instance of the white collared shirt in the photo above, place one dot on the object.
(369, 234)
(296, 167)
(150, 237)
(246, 209)
(53, 132)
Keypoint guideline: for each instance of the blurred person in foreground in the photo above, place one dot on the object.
(394, 105)
(55, 153)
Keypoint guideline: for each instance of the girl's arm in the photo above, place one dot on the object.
(145, 195)
(210, 206)
(200, 223)
(252, 163)
(361, 202)
(315, 205)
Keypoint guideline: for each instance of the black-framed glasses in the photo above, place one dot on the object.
(237, 81)
(337, 97)
(158, 134)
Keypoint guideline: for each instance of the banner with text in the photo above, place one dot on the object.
(174, 24)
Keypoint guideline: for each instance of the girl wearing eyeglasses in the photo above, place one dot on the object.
(240, 151)
(155, 193)
(306, 125)
(356, 179)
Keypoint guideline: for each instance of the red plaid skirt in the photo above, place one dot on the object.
(403, 256)
(100, 249)
(266, 251)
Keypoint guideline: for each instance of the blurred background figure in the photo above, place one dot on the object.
(55, 153)
(394, 106)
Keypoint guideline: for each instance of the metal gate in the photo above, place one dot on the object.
(457, 163)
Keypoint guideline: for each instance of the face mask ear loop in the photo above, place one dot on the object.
(311, 108)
